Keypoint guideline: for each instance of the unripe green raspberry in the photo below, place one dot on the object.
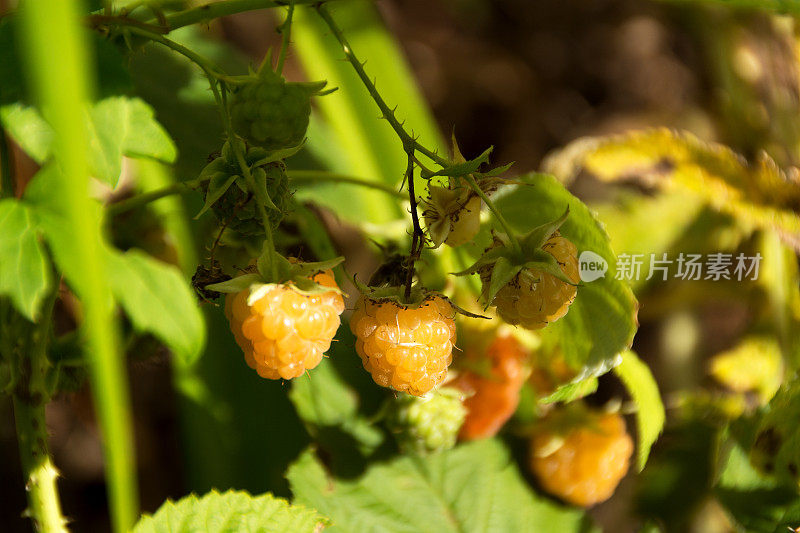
(237, 206)
(272, 113)
(428, 423)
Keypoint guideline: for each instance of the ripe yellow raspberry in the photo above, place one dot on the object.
(494, 395)
(407, 348)
(281, 331)
(584, 465)
(534, 298)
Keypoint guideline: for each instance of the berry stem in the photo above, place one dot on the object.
(298, 176)
(388, 113)
(202, 13)
(145, 198)
(286, 33)
(417, 236)
(206, 65)
(496, 212)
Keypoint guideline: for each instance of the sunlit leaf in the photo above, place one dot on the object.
(24, 270)
(117, 126)
(158, 300)
(229, 512)
(650, 413)
(472, 488)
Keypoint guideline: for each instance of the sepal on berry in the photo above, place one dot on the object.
(503, 262)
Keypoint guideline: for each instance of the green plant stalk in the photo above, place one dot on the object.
(40, 474)
(208, 67)
(61, 83)
(322, 176)
(143, 199)
(297, 176)
(30, 398)
(187, 17)
(409, 143)
(221, 9)
(286, 34)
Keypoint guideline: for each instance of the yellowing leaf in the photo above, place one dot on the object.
(754, 365)
(759, 195)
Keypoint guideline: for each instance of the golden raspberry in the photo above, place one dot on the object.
(584, 466)
(282, 332)
(534, 298)
(406, 348)
(494, 394)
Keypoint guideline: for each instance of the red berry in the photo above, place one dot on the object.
(493, 395)
(284, 332)
(407, 348)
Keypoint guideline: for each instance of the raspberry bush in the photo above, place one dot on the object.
(437, 331)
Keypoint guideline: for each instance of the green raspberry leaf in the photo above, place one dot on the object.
(117, 126)
(158, 300)
(427, 494)
(24, 270)
(231, 512)
(643, 388)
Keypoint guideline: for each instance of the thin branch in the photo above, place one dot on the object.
(388, 113)
(417, 235)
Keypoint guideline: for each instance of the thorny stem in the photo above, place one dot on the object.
(30, 397)
(417, 236)
(209, 69)
(286, 33)
(388, 113)
(165, 24)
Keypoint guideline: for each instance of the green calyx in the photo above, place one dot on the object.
(428, 424)
(274, 269)
(228, 194)
(270, 112)
(502, 262)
